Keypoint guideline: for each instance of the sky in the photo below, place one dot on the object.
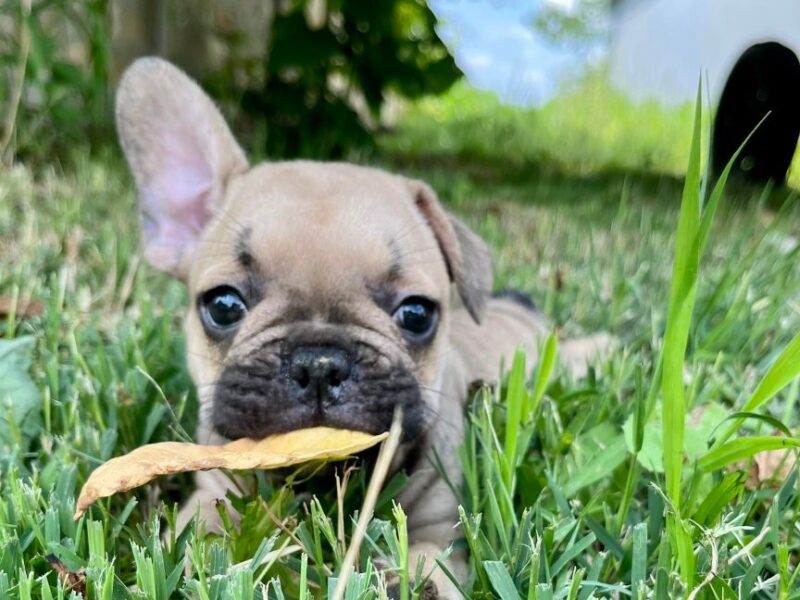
(496, 46)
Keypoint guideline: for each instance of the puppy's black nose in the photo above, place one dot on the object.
(319, 372)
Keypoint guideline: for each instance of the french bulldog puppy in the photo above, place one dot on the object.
(320, 294)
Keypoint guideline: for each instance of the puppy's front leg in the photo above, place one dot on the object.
(431, 520)
(578, 353)
(443, 588)
(438, 585)
(212, 487)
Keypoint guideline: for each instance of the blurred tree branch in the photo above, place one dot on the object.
(582, 21)
(296, 77)
(18, 81)
(328, 69)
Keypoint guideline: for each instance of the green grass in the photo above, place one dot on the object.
(566, 491)
(588, 127)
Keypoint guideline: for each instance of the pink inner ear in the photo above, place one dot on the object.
(176, 200)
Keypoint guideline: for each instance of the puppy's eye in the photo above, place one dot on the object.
(417, 316)
(222, 308)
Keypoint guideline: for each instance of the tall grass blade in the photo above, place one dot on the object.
(719, 187)
(782, 372)
(638, 558)
(516, 404)
(681, 304)
(544, 371)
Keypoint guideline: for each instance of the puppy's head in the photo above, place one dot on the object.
(319, 292)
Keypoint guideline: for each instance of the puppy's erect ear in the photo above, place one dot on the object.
(468, 260)
(181, 154)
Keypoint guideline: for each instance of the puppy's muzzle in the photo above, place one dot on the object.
(314, 377)
(318, 373)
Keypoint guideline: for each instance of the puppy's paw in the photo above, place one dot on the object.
(202, 504)
(429, 590)
(437, 585)
(578, 353)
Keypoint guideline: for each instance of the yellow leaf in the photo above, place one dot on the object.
(144, 464)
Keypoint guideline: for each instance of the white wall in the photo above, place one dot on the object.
(658, 48)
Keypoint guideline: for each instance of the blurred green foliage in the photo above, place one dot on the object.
(580, 21)
(588, 127)
(326, 76)
(316, 92)
(55, 58)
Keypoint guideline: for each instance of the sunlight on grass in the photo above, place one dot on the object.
(588, 127)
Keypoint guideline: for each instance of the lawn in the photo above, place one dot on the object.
(575, 500)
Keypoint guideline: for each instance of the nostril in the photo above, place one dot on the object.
(299, 372)
(303, 378)
(339, 370)
(336, 378)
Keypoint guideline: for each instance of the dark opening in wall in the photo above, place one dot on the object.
(766, 78)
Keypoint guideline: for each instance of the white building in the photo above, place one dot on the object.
(748, 51)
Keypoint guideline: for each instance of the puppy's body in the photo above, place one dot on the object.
(320, 294)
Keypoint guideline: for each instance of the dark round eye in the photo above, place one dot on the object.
(222, 308)
(416, 316)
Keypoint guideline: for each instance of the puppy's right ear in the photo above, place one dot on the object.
(181, 154)
(466, 255)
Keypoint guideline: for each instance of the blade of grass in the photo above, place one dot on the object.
(544, 371)
(516, 403)
(303, 576)
(638, 558)
(501, 580)
(716, 192)
(402, 544)
(743, 448)
(682, 295)
(639, 420)
(387, 452)
(681, 304)
(783, 371)
(572, 552)
(453, 579)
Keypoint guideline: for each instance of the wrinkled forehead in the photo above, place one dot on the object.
(322, 225)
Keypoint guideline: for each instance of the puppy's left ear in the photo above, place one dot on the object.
(468, 260)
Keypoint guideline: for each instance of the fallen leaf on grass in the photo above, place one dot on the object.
(775, 465)
(23, 309)
(74, 581)
(771, 466)
(144, 464)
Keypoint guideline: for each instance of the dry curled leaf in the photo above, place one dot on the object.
(769, 468)
(144, 464)
(74, 581)
(775, 465)
(23, 308)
